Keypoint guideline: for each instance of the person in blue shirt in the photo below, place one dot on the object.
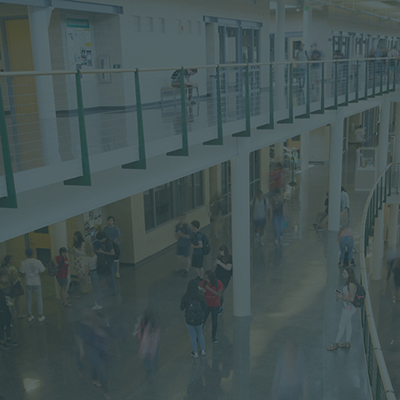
(114, 234)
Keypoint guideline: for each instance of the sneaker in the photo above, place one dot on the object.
(117, 275)
(4, 346)
(221, 310)
(203, 352)
(97, 307)
(31, 318)
(42, 318)
(194, 355)
(185, 274)
(215, 340)
(11, 342)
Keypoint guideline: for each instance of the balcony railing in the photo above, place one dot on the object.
(381, 385)
(71, 121)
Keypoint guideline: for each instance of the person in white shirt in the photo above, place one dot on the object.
(301, 56)
(345, 204)
(31, 268)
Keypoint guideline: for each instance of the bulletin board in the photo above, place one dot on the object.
(79, 44)
(93, 223)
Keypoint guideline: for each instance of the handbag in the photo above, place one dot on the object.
(55, 269)
(17, 290)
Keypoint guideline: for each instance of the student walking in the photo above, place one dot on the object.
(80, 264)
(5, 313)
(347, 295)
(149, 336)
(183, 234)
(114, 234)
(260, 209)
(345, 204)
(31, 268)
(278, 217)
(346, 241)
(212, 289)
(62, 263)
(105, 260)
(91, 258)
(195, 305)
(223, 270)
(197, 246)
(15, 281)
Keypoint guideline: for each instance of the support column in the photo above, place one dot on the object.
(335, 174)
(39, 19)
(378, 249)
(394, 208)
(240, 175)
(59, 238)
(307, 14)
(280, 22)
(305, 151)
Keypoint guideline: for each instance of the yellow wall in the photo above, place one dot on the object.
(16, 248)
(147, 244)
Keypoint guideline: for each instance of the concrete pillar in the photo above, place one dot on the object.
(39, 19)
(307, 15)
(335, 174)
(378, 249)
(59, 238)
(394, 208)
(240, 175)
(280, 21)
(305, 151)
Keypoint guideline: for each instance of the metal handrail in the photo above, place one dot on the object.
(383, 371)
(127, 70)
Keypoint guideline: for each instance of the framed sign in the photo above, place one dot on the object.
(104, 63)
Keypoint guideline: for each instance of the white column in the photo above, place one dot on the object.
(305, 151)
(240, 172)
(280, 53)
(59, 238)
(39, 19)
(394, 208)
(378, 249)
(307, 14)
(335, 174)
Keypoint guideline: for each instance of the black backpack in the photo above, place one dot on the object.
(206, 245)
(194, 315)
(117, 251)
(359, 296)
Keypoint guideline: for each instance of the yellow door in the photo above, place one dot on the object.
(40, 243)
(24, 93)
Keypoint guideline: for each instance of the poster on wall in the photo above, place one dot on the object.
(79, 44)
(93, 223)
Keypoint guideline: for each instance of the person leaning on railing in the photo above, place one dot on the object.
(347, 295)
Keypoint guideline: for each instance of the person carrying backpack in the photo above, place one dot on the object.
(197, 246)
(350, 306)
(194, 304)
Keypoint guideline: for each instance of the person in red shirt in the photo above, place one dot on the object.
(212, 289)
(62, 277)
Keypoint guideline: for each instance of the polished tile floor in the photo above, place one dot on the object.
(292, 297)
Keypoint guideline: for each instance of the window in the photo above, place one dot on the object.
(166, 202)
(136, 23)
(161, 22)
(255, 183)
(178, 26)
(149, 25)
(189, 27)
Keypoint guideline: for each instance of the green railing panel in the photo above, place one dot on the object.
(220, 138)
(365, 97)
(381, 194)
(335, 97)
(322, 109)
(390, 180)
(85, 179)
(357, 82)
(271, 123)
(247, 131)
(388, 78)
(373, 80)
(308, 100)
(11, 200)
(386, 186)
(289, 120)
(346, 97)
(141, 163)
(184, 151)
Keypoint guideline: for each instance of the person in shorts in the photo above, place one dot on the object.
(183, 234)
(197, 246)
(62, 276)
(114, 234)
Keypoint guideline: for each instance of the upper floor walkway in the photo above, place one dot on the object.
(64, 132)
